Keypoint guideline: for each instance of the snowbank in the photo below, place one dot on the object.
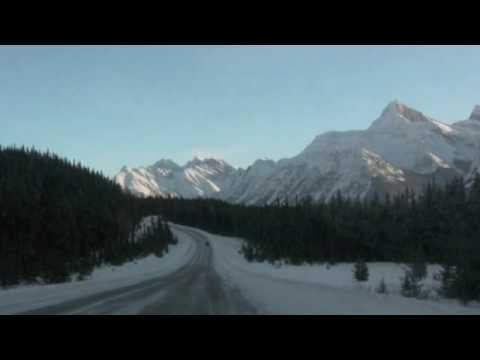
(144, 225)
(318, 289)
(24, 298)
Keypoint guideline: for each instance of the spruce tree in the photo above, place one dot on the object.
(382, 287)
(410, 286)
(418, 269)
(360, 271)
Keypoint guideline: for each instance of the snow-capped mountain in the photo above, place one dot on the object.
(198, 177)
(402, 148)
(472, 125)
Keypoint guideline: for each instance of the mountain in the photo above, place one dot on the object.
(198, 177)
(402, 148)
(474, 170)
(472, 125)
(473, 122)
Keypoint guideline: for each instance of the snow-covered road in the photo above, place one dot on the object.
(196, 278)
(182, 282)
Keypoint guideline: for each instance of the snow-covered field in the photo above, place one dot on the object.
(27, 297)
(317, 289)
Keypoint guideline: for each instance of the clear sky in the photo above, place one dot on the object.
(110, 106)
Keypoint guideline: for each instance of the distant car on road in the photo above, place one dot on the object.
(207, 243)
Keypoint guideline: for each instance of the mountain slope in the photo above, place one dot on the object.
(402, 148)
(199, 177)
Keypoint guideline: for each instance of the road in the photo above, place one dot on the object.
(195, 289)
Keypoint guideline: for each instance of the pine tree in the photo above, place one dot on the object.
(382, 287)
(360, 271)
(410, 286)
(448, 279)
(418, 269)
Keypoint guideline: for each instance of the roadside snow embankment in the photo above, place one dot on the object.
(146, 223)
(318, 289)
(29, 297)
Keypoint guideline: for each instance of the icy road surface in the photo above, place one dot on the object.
(193, 289)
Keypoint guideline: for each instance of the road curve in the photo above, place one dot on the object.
(194, 289)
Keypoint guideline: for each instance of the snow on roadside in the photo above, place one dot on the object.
(29, 297)
(144, 225)
(316, 289)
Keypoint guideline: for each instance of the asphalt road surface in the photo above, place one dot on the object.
(194, 289)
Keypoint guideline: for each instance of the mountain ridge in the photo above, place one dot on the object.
(401, 148)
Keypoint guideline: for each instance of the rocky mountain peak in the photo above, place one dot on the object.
(475, 113)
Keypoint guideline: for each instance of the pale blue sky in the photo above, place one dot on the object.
(108, 106)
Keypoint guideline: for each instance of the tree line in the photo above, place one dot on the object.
(439, 225)
(59, 218)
